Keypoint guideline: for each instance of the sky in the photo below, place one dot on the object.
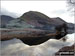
(49, 8)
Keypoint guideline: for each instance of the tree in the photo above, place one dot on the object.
(71, 6)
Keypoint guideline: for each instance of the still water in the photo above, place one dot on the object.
(15, 47)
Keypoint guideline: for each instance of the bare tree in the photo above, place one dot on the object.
(71, 6)
(71, 3)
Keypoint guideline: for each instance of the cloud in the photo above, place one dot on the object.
(59, 12)
(6, 12)
(20, 7)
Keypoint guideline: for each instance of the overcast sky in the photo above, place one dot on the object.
(50, 8)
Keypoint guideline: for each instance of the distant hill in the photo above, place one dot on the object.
(70, 28)
(4, 20)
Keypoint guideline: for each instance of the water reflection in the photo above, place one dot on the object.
(15, 47)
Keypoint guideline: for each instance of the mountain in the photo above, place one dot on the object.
(4, 20)
(53, 28)
(43, 22)
(40, 20)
